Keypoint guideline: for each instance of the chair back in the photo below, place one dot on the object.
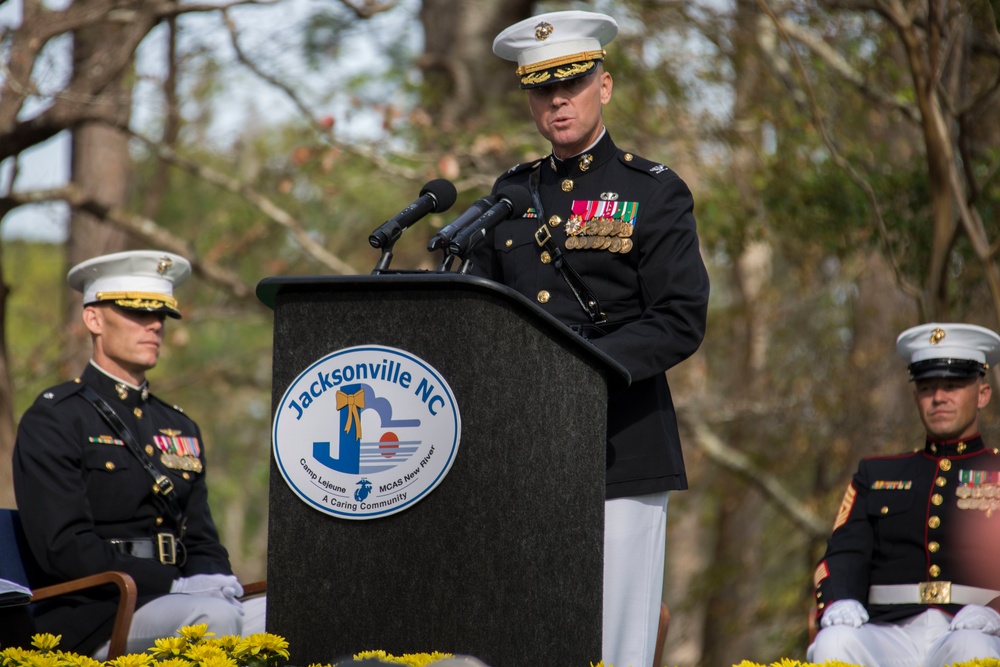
(16, 561)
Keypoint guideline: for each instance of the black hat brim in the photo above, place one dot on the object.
(146, 307)
(946, 368)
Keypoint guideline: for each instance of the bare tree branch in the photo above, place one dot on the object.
(141, 227)
(262, 203)
(843, 163)
(737, 462)
(73, 105)
(376, 158)
(368, 8)
(823, 51)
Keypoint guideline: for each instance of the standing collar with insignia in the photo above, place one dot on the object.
(576, 166)
(970, 445)
(112, 387)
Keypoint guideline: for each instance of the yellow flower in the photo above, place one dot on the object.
(132, 660)
(12, 656)
(422, 659)
(195, 633)
(200, 653)
(45, 641)
(262, 644)
(166, 647)
(379, 655)
(173, 662)
(77, 660)
(227, 643)
(221, 660)
(410, 659)
(35, 659)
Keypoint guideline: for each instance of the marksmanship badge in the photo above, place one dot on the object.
(366, 432)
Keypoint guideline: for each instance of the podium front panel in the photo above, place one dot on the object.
(503, 560)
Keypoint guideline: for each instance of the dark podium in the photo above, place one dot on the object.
(503, 560)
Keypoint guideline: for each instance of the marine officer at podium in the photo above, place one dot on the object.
(610, 248)
(107, 476)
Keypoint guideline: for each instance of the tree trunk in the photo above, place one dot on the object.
(100, 164)
(7, 427)
(462, 73)
(737, 558)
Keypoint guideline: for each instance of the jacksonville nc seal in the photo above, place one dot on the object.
(366, 432)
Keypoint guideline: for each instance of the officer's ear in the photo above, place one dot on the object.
(985, 392)
(93, 319)
(606, 83)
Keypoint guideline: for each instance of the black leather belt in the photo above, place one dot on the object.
(592, 331)
(164, 548)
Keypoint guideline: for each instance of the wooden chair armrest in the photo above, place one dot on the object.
(127, 593)
(254, 588)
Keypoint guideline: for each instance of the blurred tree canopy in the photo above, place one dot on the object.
(844, 156)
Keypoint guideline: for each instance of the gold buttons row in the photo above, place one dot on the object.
(934, 571)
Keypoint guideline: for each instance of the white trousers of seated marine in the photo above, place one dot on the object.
(923, 640)
(167, 614)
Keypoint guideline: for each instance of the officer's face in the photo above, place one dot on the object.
(949, 407)
(126, 343)
(568, 114)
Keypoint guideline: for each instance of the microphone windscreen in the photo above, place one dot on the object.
(518, 196)
(444, 193)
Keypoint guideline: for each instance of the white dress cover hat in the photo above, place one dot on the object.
(554, 47)
(948, 350)
(139, 280)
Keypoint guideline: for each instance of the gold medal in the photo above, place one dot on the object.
(176, 462)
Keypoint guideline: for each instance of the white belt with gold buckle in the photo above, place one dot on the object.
(930, 592)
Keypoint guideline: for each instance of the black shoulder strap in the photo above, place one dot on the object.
(543, 237)
(162, 486)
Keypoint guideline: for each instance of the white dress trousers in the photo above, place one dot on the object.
(167, 614)
(923, 640)
(635, 531)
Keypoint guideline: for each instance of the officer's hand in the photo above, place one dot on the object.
(225, 586)
(844, 612)
(976, 617)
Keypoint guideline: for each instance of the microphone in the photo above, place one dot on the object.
(437, 195)
(510, 200)
(447, 233)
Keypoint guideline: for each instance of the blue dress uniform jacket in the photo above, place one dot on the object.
(77, 486)
(920, 517)
(645, 268)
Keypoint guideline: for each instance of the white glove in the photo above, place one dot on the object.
(225, 586)
(844, 612)
(976, 617)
